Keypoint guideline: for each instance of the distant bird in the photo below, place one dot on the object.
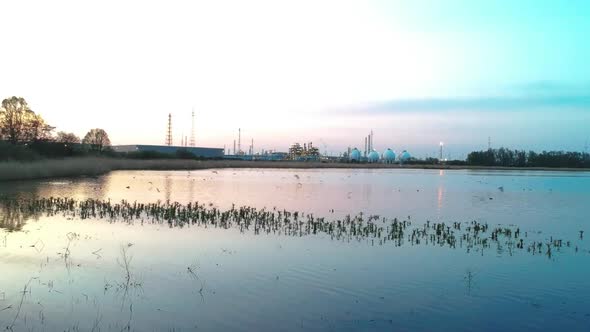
(501, 188)
(296, 176)
(128, 187)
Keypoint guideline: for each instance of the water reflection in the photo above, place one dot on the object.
(439, 198)
(11, 220)
(167, 187)
(98, 187)
(205, 274)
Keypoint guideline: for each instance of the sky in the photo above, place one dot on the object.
(415, 72)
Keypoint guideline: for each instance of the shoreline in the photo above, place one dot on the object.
(73, 167)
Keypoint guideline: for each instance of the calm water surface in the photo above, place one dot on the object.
(197, 278)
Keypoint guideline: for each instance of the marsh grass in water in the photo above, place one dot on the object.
(472, 236)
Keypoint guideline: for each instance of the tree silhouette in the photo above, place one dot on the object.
(97, 138)
(63, 137)
(18, 123)
(520, 158)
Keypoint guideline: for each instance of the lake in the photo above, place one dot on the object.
(338, 250)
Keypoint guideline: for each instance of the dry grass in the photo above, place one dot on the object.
(54, 168)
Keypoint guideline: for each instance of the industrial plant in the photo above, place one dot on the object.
(296, 152)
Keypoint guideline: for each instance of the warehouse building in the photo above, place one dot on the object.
(172, 150)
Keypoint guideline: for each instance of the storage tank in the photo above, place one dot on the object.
(405, 156)
(355, 155)
(389, 156)
(373, 157)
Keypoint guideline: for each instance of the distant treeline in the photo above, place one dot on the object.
(520, 158)
(38, 150)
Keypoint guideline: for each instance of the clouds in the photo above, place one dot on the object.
(531, 103)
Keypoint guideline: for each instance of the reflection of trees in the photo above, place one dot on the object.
(12, 218)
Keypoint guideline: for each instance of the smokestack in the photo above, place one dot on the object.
(234, 147)
(193, 129)
(239, 140)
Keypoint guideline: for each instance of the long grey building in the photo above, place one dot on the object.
(172, 150)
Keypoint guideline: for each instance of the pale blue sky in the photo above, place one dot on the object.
(416, 72)
(503, 43)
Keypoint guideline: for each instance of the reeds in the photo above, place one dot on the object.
(472, 236)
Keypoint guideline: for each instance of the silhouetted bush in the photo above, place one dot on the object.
(17, 152)
(49, 149)
(520, 158)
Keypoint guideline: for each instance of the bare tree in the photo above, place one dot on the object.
(97, 139)
(18, 123)
(63, 137)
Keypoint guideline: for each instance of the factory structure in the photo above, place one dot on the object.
(297, 152)
(202, 152)
(307, 152)
(186, 148)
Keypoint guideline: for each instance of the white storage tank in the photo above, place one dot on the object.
(373, 157)
(389, 156)
(405, 156)
(355, 155)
